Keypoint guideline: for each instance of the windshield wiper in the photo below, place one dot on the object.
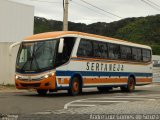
(34, 57)
(29, 60)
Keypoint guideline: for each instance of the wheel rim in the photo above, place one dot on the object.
(75, 86)
(131, 84)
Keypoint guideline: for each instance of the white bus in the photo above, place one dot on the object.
(74, 60)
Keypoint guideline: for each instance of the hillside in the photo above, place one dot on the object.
(143, 30)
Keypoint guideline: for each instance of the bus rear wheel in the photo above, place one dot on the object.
(42, 92)
(75, 87)
(130, 86)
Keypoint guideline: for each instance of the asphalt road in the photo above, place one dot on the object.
(28, 105)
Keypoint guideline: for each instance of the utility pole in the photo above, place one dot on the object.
(65, 15)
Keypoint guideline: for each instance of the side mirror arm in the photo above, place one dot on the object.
(12, 46)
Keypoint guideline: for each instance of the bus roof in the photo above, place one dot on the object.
(50, 35)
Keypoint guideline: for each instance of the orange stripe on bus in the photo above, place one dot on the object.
(143, 79)
(105, 80)
(64, 81)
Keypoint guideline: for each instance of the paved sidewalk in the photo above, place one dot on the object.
(10, 88)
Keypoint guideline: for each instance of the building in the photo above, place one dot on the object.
(16, 22)
(156, 60)
(156, 68)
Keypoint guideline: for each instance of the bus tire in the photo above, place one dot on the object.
(75, 87)
(42, 92)
(130, 86)
(104, 89)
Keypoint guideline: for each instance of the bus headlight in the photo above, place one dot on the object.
(49, 75)
(17, 77)
(53, 74)
(46, 76)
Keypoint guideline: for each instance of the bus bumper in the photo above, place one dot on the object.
(47, 83)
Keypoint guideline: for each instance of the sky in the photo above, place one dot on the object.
(103, 10)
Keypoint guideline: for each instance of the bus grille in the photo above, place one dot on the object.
(30, 85)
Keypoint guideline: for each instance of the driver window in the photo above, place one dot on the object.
(67, 50)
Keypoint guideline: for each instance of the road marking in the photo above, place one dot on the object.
(117, 99)
(68, 104)
(86, 100)
(139, 96)
(151, 99)
(105, 101)
(129, 98)
(82, 105)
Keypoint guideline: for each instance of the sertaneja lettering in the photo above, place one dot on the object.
(92, 66)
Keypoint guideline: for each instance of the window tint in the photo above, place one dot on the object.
(146, 55)
(114, 51)
(85, 48)
(100, 49)
(136, 54)
(126, 53)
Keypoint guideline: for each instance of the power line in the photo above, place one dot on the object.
(151, 5)
(91, 9)
(101, 9)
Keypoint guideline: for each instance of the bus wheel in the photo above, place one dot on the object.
(104, 89)
(41, 92)
(130, 86)
(75, 87)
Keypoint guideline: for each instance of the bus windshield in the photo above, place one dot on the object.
(36, 56)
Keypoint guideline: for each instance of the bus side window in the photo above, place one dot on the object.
(68, 46)
(136, 54)
(126, 53)
(67, 50)
(85, 48)
(146, 55)
(114, 51)
(100, 49)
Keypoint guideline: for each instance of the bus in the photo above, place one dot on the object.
(70, 60)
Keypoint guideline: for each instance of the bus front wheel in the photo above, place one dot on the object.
(42, 92)
(75, 87)
(130, 86)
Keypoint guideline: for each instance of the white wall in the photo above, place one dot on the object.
(16, 22)
(7, 63)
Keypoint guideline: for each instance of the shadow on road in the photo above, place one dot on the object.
(85, 93)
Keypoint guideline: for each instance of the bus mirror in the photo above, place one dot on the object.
(12, 46)
(61, 44)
